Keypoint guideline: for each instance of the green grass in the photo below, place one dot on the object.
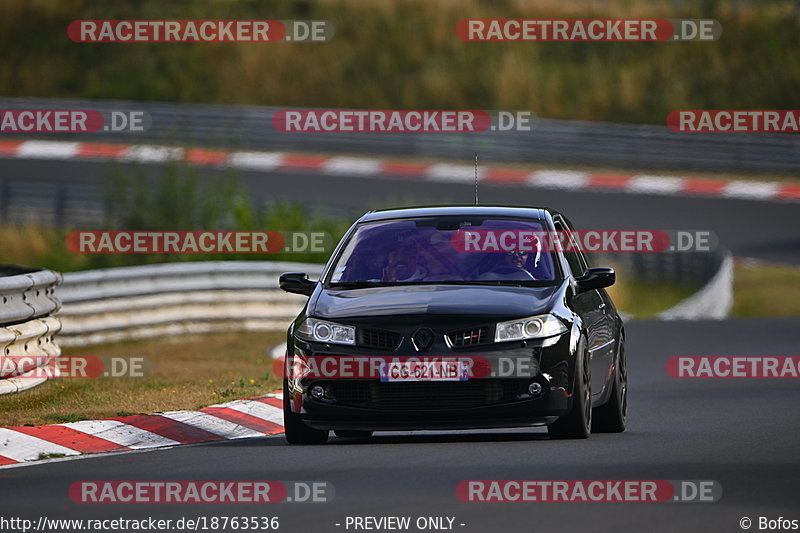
(763, 289)
(64, 418)
(43, 456)
(405, 54)
(188, 372)
(759, 290)
(644, 299)
(173, 200)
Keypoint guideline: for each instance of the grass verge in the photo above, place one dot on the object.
(645, 300)
(187, 372)
(764, 289)
(405, 54)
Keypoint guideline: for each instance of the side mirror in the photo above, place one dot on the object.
(297, 283)
(596, 278)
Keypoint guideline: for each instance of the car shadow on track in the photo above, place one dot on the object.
(440, 439)
(400, 438)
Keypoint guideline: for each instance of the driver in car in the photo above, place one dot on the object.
(515, 265)
(403, 264)
(517, 259)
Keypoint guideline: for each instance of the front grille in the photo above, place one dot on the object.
(376, 338)
(426, 395)
(468, 337)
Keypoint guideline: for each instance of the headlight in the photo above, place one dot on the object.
(533, 327)
(316, 330)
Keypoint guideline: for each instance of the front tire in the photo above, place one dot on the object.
(296, 432)
(577, 424)
(612, 417)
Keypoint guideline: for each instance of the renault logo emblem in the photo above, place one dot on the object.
(423, 339)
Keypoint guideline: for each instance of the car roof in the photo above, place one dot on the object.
(459, 210)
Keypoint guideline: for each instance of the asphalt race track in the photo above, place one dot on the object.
(743, 433)
(749, 228)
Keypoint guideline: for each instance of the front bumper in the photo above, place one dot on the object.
(485, 402)
(520, 413)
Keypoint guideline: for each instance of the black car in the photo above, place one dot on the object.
(457, 317)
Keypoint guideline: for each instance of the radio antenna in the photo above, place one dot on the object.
(476, 178)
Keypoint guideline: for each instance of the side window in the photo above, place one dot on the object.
(577, 264)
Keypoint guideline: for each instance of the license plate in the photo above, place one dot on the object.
(424, 371)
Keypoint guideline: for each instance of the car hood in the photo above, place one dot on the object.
(497, 302)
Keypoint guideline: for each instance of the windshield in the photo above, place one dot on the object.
(437, 250)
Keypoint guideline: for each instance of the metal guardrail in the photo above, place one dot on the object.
(200, 297)
(713, 301)
(549, 142)
(27, 349)
(681, 268)
(114, 304)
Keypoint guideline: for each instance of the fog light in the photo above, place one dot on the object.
(317, 392)
(535, 389)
